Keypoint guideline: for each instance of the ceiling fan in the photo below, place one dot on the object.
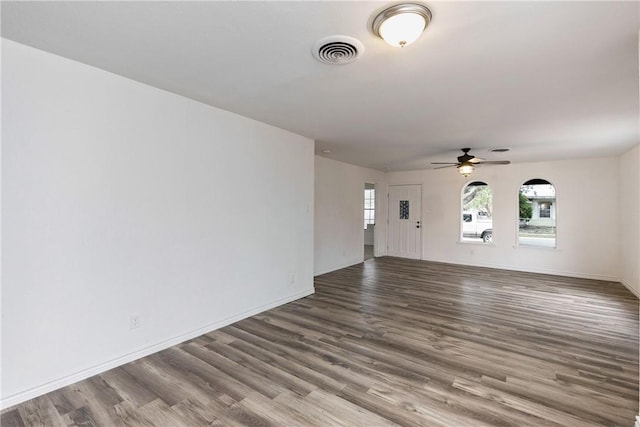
(466, 163)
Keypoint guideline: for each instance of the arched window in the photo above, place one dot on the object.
(477, 213)
(537, 214)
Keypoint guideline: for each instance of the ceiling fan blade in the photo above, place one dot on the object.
(494, 162)
(443, 163)
(449, 166)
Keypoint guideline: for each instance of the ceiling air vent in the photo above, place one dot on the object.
(337, 50)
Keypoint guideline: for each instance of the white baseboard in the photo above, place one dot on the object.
(633, 290)
(34, 392)
(637, 424)
(563, 273)
(339, 267)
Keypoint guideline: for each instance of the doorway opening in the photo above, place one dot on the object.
(369, 220)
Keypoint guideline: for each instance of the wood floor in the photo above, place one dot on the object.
(386, 342)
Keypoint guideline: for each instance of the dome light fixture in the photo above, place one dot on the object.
(465, 168)
(401, 24)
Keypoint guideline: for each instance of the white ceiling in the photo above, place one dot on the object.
(550, 80)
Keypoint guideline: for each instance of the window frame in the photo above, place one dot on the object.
(372, 209)
(553, 213)
(463, 215)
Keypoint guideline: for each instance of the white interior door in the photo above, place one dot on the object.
(405, 221)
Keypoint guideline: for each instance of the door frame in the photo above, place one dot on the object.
(376, 215)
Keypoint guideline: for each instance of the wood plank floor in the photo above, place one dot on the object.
(386, 342)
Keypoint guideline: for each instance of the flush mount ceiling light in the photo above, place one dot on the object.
(402, 24)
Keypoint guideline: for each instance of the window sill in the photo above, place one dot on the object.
(469, 242)
(543, 248)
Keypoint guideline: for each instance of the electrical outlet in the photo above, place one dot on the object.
(292, 278)
(134, 321)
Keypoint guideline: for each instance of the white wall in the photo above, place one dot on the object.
(587, 217)
(119, 198)
(339, 214)
(630, 219)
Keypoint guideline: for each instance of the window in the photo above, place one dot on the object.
(369, 206)
(545, 210)
(537, 214)
(404, 209)
(477, 208)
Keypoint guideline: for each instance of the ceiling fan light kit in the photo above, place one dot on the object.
(465, 168)
(401, 24)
